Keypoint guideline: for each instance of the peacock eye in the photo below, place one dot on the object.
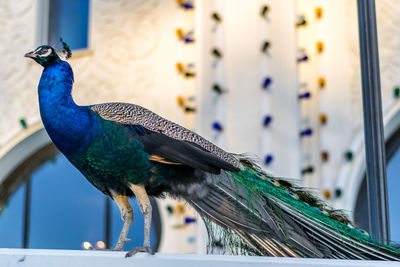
(364, 232)
(274, 182)
(293, 195)
(43, 51)
(262, 176)
(323, 211)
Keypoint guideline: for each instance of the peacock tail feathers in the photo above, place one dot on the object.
(225, 241)
(251, 212)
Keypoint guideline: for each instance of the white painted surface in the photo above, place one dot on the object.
(68, 258)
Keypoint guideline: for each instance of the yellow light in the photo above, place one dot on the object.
(180, 100)
(180, 208)
(320, 47)
(179, 33)
(100, 245)
(319, 12)
(86, 245)
(326, 193)
(323, 118)
(179, 66)
(321, 82)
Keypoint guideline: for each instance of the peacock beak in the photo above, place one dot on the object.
(31, 54)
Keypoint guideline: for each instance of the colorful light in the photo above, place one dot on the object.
(264, 11)
(185, 37)
(266, 82)
(319, 12)
(266, 45)
(320, 46)
(216, 53)
(303, 58)
(180, 100)
(324, 156)
(268, 159)
(170, 210)
(190, 109)
(179, 33)
(306, 95)
(180, 208)
(179, 66)
(189, 220)
(349, 155)
(100, 245)
(185, 4)
(217, 126)
(326, 193)
(216, 17)
(267, 120)
(307, 170)
(338, 192)
(306, 132)
(23, 123)
(301, 21)
(190, 75)
(86, 245)
(323, 119)
(216, 88)
(321, 82)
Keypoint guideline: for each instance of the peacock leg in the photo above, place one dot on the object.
(145, 206)
(127, 216)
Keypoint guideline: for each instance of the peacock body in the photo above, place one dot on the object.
(125, 150)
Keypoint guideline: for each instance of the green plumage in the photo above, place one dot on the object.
(110, 166)
(281, 196)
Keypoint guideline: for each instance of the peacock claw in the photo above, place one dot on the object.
(139, 249)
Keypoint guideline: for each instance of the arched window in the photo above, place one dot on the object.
(361, 213)
(53, 206)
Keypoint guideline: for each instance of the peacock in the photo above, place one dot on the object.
(127, 151)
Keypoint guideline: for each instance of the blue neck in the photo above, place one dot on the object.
(67, 124)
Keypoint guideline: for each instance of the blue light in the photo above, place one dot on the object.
(188, 40)
(189, 220)
(305, 95)
(268, 159)
(267, 120)
(217, 126)
(306, 132)
(187, 6)
(303, 59)
(267, 82)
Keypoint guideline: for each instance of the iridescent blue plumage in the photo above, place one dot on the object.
(70, 126)
(128, 151)
(106, 152)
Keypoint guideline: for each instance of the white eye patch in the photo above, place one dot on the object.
(46, 53)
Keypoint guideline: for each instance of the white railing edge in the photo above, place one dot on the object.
(77, 258)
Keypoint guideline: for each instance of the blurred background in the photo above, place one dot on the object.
(279, 79)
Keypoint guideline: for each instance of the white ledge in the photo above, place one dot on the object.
(78, 258)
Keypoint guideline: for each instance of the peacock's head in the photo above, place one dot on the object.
(45, 55)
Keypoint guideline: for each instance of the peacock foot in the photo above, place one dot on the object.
(139, 249)
(120, 244)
